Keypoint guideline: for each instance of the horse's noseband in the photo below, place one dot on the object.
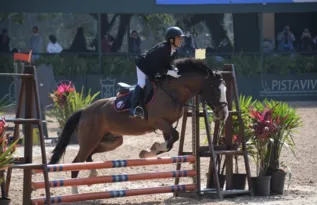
(215, 85)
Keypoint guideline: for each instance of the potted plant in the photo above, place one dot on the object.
(262, 127)
(286, 121)
(239, 179)
(6, 155)
(66, 101)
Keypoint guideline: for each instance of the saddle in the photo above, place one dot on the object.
(123, 99)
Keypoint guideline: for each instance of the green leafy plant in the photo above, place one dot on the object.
(6, 152)
(287, 122)
(67, 101)
(5, 102)
(262, 128)
(122, 64)
(275, 123)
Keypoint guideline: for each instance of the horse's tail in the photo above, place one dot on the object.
(66, 134)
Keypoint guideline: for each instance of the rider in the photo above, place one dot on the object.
(156, 62)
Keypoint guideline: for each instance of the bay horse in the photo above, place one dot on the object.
(101, 127)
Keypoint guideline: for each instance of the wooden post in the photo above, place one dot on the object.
(196, 143)
(28, 137)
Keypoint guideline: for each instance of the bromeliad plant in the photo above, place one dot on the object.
(287, 121)
(273, 125)
(6, 152)
(66, 101)
(262, 127)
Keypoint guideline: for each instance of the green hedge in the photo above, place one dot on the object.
(245, 65)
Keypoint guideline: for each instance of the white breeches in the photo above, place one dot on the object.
(141, 77)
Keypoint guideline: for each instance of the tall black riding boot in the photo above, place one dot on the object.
(135, 110)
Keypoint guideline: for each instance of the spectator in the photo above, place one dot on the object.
(314, 42)
(306, 44)
(285, 40)
(188, 48)
(134, 43)
(4, 41)
(53, 46)
(79, 42)
(107, 43)
(36, 43)
(225, 49)
(267, 46)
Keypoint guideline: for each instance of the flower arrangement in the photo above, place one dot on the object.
(61, 98)
(66, 101)
(63, 90)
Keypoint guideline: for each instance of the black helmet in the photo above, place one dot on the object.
(172, 32)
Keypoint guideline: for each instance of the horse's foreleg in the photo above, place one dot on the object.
(170, 136)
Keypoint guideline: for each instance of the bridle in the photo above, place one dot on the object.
(222, 104)
(181, 105)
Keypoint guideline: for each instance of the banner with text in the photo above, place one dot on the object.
(201, 2)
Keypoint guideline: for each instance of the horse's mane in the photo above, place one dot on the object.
(190, 65)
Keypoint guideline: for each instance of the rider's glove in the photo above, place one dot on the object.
(173, 73)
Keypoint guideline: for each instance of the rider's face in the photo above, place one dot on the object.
(178, 41)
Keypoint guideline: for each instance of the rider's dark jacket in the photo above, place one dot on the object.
(158, 60)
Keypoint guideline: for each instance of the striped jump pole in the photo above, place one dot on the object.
(116, 164)
(114, 178)
(114, 194)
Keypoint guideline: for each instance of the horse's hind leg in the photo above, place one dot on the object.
(87, 145)
(108, 143)
(93, 172)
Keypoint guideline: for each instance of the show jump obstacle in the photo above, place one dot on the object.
(117, 178)
(28, 97)
(215, 150)
(212, 151)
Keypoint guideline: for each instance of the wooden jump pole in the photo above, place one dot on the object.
(114, 194)
(114, 164)
(114, 178)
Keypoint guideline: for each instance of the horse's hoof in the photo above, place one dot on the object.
(143, 154)
(75, 190)
(147, 154)
(156, 146)
(93, 173)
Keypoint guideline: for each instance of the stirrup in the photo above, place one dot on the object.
(137, 112)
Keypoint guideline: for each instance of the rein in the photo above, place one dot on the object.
(179, 105)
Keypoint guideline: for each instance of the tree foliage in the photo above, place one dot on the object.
(15, 17)
(154, 24)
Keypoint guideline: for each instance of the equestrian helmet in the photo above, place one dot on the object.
(172, 32)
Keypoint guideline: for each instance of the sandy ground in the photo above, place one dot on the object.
(302, 189)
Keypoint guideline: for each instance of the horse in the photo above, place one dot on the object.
(101, 126)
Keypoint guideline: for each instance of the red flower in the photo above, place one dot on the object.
(3, 125)
(62, 91)
(263, 125)
(235, 138)
(65, 88)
